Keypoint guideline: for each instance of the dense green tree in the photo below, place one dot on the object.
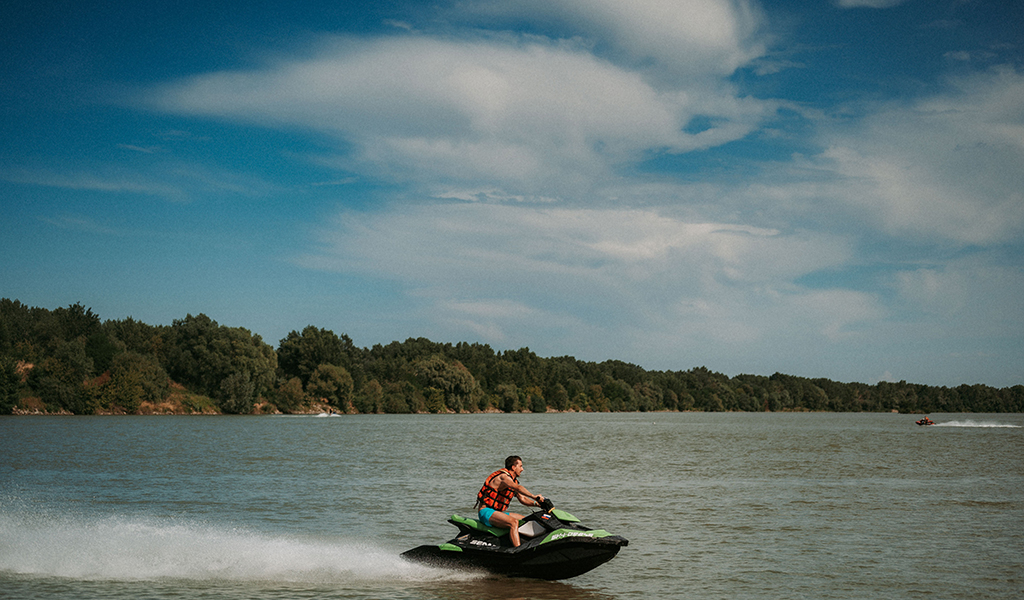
(229, 364)
(237, 393)
(619, 394)
(475, 357)
(58, 395)
(370, 398)
(16, 323)
(453, 381)
(137, 378)
(76, 321)
(671, 400)
(331, 383)
(535, 399)
(397, 396)
(32, 334)
(9, 382)
(121, 396)
(648, 396)
(74, 363)
(289, 396)
(299, 354)
(136, 336)
(60, 377)
(507, 398)
(102, 349)
(558, 397)
(595, 399)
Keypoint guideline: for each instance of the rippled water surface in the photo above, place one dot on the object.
(714, 505)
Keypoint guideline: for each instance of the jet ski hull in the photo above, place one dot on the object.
(558, 562)
(558, 550)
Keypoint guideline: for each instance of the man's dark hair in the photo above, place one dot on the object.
(511, 461)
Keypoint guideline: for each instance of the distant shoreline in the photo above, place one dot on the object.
(69, 361)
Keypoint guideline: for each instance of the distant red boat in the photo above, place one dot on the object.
(925, 421)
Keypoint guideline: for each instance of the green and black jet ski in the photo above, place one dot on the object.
(553, 545)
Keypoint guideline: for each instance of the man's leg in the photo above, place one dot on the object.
(500, 519)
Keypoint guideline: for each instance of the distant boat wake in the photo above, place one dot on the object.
(116, 548)
(982, 424)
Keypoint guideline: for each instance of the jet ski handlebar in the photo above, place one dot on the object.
(545, 504)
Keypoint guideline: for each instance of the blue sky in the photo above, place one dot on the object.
(820, 188)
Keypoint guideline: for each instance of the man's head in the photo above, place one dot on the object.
(511, 461)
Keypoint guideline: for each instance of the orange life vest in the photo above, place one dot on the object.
(492, 498)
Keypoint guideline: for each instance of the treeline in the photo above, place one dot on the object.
(68, 360)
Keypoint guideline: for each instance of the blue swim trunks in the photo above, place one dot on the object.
(485, 516)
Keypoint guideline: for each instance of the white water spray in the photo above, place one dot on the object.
(115, 548)
(982, 424)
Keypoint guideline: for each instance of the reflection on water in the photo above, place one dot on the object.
(501, 588)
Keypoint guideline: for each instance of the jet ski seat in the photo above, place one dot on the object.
(529, 529)
(477, 525)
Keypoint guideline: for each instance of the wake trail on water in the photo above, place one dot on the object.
(116, 548)
(981, 424)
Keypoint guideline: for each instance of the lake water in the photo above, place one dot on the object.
(723, 506)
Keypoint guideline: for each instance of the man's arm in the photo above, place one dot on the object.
(523, 494)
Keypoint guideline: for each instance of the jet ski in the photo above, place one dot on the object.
(553, 545)
(925, 421)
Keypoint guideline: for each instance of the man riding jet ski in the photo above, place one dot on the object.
(548, 544)
(496, 494)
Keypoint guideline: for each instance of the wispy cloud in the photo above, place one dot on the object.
(549, 166)
(80, 223)
(676, 38)
(868, 3)
(555, 232)
(972, 297)
(517, 270)
(89, 181)
(535, 117)
(948, 166)
(169, 180)
(143, 150)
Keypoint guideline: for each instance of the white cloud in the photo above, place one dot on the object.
(464, 242)
(868, 3)
(681, 37)
(513, 274)
(170, 180)
(511, 124)
(99, 180)
(974, 297)
(959, 55)
(949, 166)
(532, 118)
